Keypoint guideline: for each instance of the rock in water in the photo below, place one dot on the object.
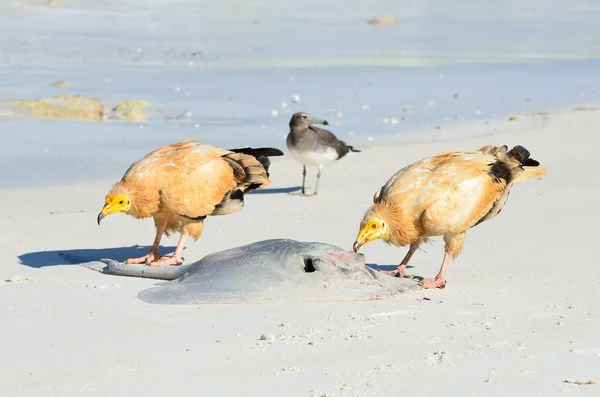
(66, 107)
(132, 110)
(383, 21)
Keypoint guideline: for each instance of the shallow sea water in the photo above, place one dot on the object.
(238, 70)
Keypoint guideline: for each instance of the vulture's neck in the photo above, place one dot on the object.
(398, 223)
(138, 200)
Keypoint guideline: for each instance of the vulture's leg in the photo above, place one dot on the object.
(454, 244)
(303, 178)
(318, 180)
(438, 281)
(176, 259)
(401, 269)
(153, 254)
(193, 229)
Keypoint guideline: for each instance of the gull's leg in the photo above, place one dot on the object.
(153, 254)
(318, 180)
(303, 178)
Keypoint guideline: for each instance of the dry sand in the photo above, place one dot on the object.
(520, 314)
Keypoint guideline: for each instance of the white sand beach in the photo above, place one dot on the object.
(519, 315)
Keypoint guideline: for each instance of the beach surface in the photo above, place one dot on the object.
(519, 315)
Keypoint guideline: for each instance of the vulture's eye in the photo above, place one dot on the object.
(303, 116)
(121, 202)
(373, 226)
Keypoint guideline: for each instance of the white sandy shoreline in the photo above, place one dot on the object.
(519, 316)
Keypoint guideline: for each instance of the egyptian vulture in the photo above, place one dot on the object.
(181, 184)
(444, 195)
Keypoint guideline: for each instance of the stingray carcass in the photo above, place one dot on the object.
(278, 270)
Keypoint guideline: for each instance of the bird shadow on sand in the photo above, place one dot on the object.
(279, 190)
(69, 257)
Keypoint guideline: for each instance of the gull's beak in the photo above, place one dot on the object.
(105, 211)
(320, 121)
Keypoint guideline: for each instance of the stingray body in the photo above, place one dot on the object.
(279, 270)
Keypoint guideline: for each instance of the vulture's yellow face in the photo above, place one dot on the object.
(371, 229)
(115, 203)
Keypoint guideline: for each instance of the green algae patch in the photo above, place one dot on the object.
(64, 107)
(131, 110)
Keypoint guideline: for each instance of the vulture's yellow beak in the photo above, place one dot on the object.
(371, 230)
(114, 203)
(103, 213)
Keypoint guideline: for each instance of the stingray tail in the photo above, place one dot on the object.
(143, 271)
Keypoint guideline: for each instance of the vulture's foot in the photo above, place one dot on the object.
(167, 261)
(147, 259)
(437, 282)
(398, 272)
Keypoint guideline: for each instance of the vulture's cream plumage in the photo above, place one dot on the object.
(181, 184)
(444, 195)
